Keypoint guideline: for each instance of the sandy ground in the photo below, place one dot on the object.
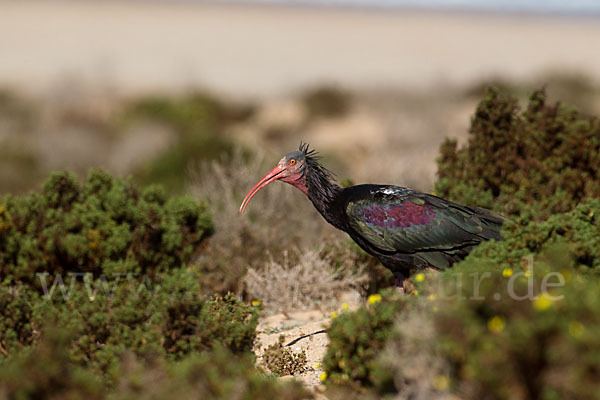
(294, 326)
(304, 328)
(265, 50)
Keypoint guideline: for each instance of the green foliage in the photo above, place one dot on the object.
(46, 372)
(111, 273)
(104, 226)
(576, 233)
(281, 361)
(357, 338)
(544, 155)
(17, 328)
(502, 345)
(170, 318)
(218, 374)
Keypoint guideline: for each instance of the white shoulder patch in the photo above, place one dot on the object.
(390, 190)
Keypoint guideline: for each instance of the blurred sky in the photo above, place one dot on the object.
(264, 50)
(536, 6)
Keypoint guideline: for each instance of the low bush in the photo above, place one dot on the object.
(545, 155)
(103, 226)
(17, 326)
(312, 281)
(357, 338)
(47, 371)
(107, 263)
(576, 233)
(213, 375)
(170, 318)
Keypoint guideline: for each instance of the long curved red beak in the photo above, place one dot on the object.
(272, 176)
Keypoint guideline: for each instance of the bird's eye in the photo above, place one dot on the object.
(293, 161)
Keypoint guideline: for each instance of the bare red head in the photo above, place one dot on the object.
(290, 169)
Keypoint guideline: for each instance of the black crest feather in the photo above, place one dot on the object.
(304, 147)
(320, 180)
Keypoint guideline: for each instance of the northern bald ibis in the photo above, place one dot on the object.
(405, 229)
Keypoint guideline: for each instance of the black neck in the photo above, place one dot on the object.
(324, 193)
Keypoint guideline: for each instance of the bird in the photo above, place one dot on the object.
(407, 230)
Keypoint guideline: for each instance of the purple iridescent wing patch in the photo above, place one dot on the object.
(395, 222)
(403, 215)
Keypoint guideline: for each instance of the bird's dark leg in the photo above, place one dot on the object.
(400, 279)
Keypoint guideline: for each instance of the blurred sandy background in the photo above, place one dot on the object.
(269, 50)
(149, 87)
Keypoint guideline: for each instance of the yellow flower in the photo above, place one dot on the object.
(435, 309)
(374, 298)
(576, 329)
(431, 297)
(528, 273)
(416, 292)
(440, 382)
(317, 366)
(256, 303)
(92, 298)
(496, 324)
(334, 315)
(542, 303)
(323, 376)
(420, 277)
(345, 306)
(507, 272)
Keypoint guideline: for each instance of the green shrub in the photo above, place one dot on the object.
(110, 264)
(170, 318)
(357, 337)
(545, 155)
(103, 226)
(576, 233)
(46, 372)
(17, 328)
(505, 347)
(217, 374)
